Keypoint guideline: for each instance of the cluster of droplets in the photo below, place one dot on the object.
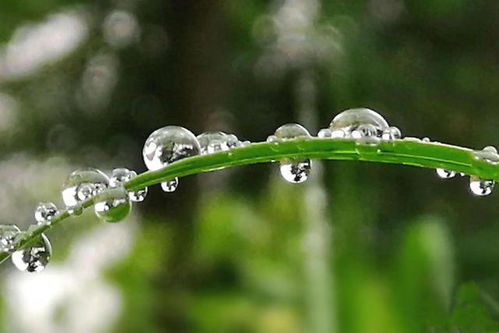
(478, 186)
(113, 201)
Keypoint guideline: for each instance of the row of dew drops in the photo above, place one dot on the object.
(113, 203)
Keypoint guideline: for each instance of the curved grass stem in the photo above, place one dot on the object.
(406, 152)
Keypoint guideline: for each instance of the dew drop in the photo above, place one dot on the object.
(296, 172)
(83, 184)
(170, 185)
(213, 142)
(487, 154)
(112, 205)
(391, 133)
(8, 233)
(356, 122)
(324, 133)
(338, 134)
(35, 257)
(445, 174)
(120, 176)
(481, 187)
(426, 139)
(45, 212)
(291, 131)
(167, 145)
(233, 141)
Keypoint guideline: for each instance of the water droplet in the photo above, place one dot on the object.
(272, 138)
(75, 210)
(296, 172)
(426, 139)
(233, 141)
(167, 145)
(338, 134)
(324, 133)
(245, 143)
(170, 185)
(445, 174)
(112, 205)
(481, 187)
(291, 131)
(212, 142)
(391, 133)
(83, 184)
(8, 233)
(487, 154)
(35, 257)
(45, 212)
(120, 176)
(350, 120)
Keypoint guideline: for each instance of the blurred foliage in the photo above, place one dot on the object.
(226, 253)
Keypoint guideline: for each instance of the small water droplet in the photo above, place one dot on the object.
(75, 210)
(296, 172)
(481, 187)
(350, 120)
(167, 145)
(8, 233)
(35, 257)
(45, 212)
(490, 149)
(170, 185)
(233, 141)
(213, 142)
(83, 184)
(120, 176)
(445, 174)
(112, 205)
(291, 131)
(426, 139)
(487, 154)
(364, 131)
(391, 133)
(245, 143)
(324, 133)
(272, 138)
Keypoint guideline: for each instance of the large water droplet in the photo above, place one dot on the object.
(167, 145)
(112, 205)
(45, 212)
(359, 122)
(296, 172)
(213, 142)
(35, 257)
(8, 233)
(120, 176)
(481, 187)
(170, 185)
(445, 174)
(82, 185)
(293, 170)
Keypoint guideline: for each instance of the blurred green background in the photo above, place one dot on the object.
(359, 248)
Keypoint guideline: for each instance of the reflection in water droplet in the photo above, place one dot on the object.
(296, 172)
(445, 174)
(167, 145)
(170, 185)
(293, 170)
(112, 205)
(8, 233)
(426, 139)
(45, 212)
(359, 123)
(391, 133)
(481, 187)
(83, 184)
(324, 133)
(34, 258)
(120, 176)
(75, 210)
(213, 142)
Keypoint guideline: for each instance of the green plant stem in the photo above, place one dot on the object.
(406, 152)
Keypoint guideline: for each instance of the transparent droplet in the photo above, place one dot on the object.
(83, 184)
(35, 257)
(170, 185)
(291, 131)
(272, 138)
(350, 120)
(212, 142)
(45, 212)
(487, 154)
(120, 176)
(245, 143)
(233, 141)
(296, 172)
(324, 133)
(112, 205)
(8, 233)
(426, 139)
(391, 133)
(481, 187)
(167, 145)
(445, 174)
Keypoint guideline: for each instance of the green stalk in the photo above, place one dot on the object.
(406, 152)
